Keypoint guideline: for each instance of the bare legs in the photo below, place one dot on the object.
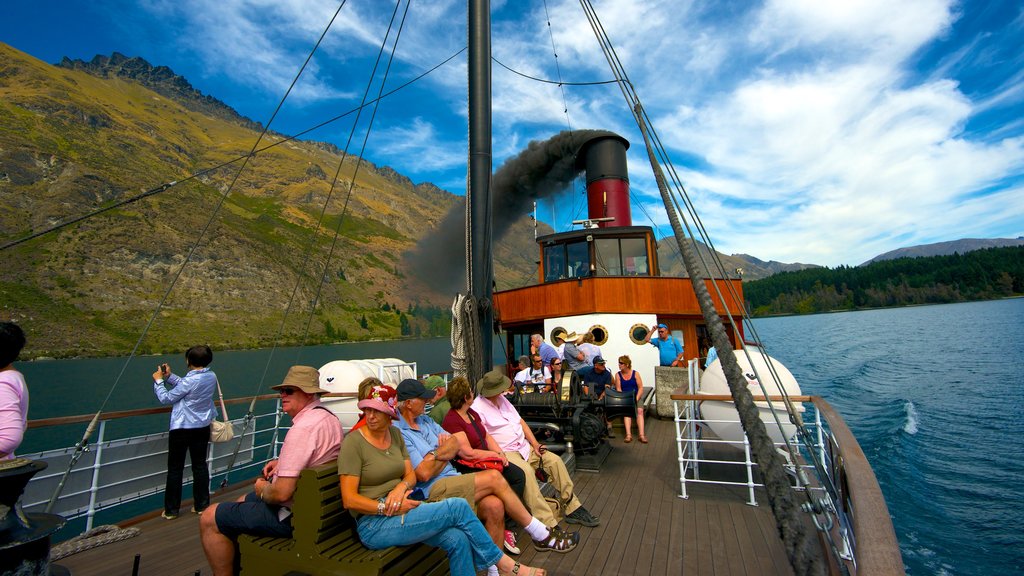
(219, 549)
(491, 482)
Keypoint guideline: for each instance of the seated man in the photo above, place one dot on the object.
(439, 406)
(501, 421)
(536, 378)
(430, 450)
(595, 379)
(314, 439)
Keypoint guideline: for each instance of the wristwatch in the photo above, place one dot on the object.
(433, 453)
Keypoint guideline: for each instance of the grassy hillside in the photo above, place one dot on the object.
(72, 142)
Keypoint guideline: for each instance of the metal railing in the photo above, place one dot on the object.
(692, 443)
(118, 470)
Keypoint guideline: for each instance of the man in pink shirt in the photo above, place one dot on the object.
(314, 439)
(515, 438)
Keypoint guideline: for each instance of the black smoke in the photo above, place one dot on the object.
(542, 169)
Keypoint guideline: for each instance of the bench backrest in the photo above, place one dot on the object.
(319, 513)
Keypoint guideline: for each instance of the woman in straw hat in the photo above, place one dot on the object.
(376, 480)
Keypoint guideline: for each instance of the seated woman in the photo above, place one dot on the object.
(475, 444)
(628, 380)
(362, 392)
(376, 478)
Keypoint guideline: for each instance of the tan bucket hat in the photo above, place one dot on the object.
(305, 378)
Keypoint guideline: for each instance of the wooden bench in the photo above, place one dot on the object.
(324, 541)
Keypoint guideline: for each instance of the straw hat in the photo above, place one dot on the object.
(305, 378)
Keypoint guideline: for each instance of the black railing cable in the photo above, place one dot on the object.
(82, 445)
(797, 540)
(168, 185)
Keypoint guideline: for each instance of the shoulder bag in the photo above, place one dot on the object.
(221, 431)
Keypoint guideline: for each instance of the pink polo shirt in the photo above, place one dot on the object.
(504, 424)
(314, 439)
(13, 410)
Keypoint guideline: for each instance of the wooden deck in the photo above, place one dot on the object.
(645, 527)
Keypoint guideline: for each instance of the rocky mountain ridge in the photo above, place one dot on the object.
(961, 246)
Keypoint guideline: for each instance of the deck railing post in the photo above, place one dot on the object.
(277, 426)
(750, 470)
(821, 440)
(679, 450)
(95, 488)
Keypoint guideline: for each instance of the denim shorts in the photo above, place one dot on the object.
(253, 517)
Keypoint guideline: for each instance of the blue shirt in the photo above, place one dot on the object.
(192, 396)
(547, 353)
(712, 356)
(421, 441)
(669, 349)
(599, 381)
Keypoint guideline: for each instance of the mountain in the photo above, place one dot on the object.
(80, 137)
(155, 158)
(750, 267)
(961, 246)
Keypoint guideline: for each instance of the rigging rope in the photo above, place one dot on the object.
(249, 417)
(796, 538)
(82, 445)
(168, 185)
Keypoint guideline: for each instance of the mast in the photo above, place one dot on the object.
(480, 271)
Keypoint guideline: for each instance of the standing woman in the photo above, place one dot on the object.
(628, 380)
(13, 391)
(376, 480)
(192, 397)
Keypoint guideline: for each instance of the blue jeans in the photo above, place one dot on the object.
(449, 524)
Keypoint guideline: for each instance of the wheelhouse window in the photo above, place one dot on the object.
(570, 260)
(621, 257)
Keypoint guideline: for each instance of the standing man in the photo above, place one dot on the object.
(314, 439)
(670, 349)
(572, 353)
(192, 397)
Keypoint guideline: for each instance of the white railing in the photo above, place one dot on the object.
(116, 471)
(691, 443)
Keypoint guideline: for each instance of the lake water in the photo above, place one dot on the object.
(934, 395)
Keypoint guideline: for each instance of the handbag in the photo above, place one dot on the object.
(221, 431)
(487, 463)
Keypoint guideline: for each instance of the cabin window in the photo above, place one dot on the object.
(606, 255)
(621, 257)
(554, 263)
(578, 259)
(634, 257)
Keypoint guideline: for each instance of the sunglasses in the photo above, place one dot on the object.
(287, 391)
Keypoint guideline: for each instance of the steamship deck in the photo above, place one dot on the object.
(645, 527)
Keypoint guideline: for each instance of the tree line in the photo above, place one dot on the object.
(978, 275)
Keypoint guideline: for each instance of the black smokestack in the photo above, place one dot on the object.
(542, 169)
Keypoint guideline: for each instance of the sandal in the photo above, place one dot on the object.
(531, 570)
(628, 439)
(643, 439)
(559, 541)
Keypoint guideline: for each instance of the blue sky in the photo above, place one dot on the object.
(807, 130)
